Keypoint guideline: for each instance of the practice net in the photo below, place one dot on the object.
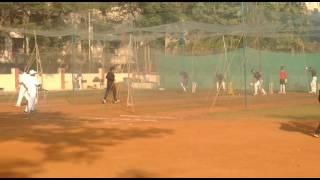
(208, 38)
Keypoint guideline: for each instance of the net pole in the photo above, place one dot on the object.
(89, 40)
(244, 56)
(72, 57)
(305, 62)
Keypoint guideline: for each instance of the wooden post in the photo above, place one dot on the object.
(101, 71)
(145, 58)
(271, 88)
(62, 74)
(136, 56)
(149, 59)
(16, 73)
(230, 89)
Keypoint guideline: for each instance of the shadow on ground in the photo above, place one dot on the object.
(62, 139)
(136, 173)
(303, 124)
(17, 168)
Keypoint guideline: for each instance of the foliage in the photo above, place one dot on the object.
(54, 15)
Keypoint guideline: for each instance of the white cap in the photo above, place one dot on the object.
(32, 72)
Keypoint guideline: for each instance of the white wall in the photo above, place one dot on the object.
(8, 82)
(53, 81)
(311, 6)
(89, 78)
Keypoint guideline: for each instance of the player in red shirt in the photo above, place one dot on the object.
(283, 80)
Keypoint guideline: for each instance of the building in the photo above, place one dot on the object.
(11, 45)
(312, 6)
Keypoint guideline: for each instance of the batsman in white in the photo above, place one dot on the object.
(31, 83)
(313, 82)
(22, 89)
(258, 85)
(220, 84)
(184, 80)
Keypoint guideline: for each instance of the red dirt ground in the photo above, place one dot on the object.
(168, 135)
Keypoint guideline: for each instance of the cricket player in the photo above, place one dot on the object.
(317, 131)
(259, 83)
(220, 82)
(283, 80)
(313, 83)
(110, 86)
(31, 82)
(22, 89)
(184, 80)
(79, 79)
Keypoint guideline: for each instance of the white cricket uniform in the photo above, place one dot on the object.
(22, 89)
(31, 83)
(221, 85)
(79, 79)
(258, 86)
(313, 85)
(183, 87)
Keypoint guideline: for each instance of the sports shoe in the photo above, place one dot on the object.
(104, 101)
(117, 101)
(316, 135)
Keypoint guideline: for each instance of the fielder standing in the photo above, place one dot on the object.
(110, 86)
(283, 80)
(79, 79)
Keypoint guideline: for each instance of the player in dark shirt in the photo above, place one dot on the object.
(110, 86)
(313, 83)
(220, 82)
(259, 83)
